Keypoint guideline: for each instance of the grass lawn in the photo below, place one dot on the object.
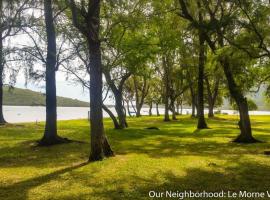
(176, 157)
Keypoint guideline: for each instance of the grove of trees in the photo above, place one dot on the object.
(170, 54)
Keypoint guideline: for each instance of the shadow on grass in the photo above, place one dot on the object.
(173, 139)
(24, 186)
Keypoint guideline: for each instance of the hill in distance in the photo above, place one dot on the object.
(26, 97)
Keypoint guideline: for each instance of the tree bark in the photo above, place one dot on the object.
(150, 108)
(244, 123)
(118, 95)
(110, 113)
(2, 119)
(50, 136)
(201, 120)
(99, 143)
(144, 92)
(88, 24)
(119, 107)
(167, 89)
(173, 111)
(157, 109)
(212, 96)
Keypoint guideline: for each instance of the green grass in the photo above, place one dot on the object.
(25, 97)
(177, 157)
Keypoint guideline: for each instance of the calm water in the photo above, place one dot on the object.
(14, 114)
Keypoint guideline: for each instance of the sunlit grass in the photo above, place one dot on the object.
(176, 157)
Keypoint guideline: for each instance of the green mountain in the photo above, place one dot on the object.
(25, 97)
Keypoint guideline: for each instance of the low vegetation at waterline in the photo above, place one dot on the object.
(173, 157)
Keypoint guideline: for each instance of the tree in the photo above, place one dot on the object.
(50, 136)
(213, 81)
(11, 22)
(87, 20)
(222, 25)
(141, 88)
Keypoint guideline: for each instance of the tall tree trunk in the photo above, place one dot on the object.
(167, 89)
(50, 136)
(201, 120)
(99, 144)
(110, 113)
(210, 109)
(157, 109)
(166, 116)
(193, 108)
(2, 119)
(244, 123)
(173, 111)
(150, 108)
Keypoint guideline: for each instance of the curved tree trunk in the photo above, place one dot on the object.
(173, 112)
(244, 123)
(110, 113)
(119, 107)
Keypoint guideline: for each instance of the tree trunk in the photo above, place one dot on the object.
(166, 116)
(150, 108)
(244, 123)
(173, 111)
(110, 113)
(119, 107)
(212, 96)
(2, 119)
(167, 89)
(201, 120)
(177, 109)
(193, 109)
(157, 109)
(50, 136)
(99, 143)
(210, 110)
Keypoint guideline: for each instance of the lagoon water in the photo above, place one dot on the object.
(16, 114)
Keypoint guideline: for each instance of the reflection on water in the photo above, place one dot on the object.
(15, 114)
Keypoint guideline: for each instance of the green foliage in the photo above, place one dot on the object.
(251, 105)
